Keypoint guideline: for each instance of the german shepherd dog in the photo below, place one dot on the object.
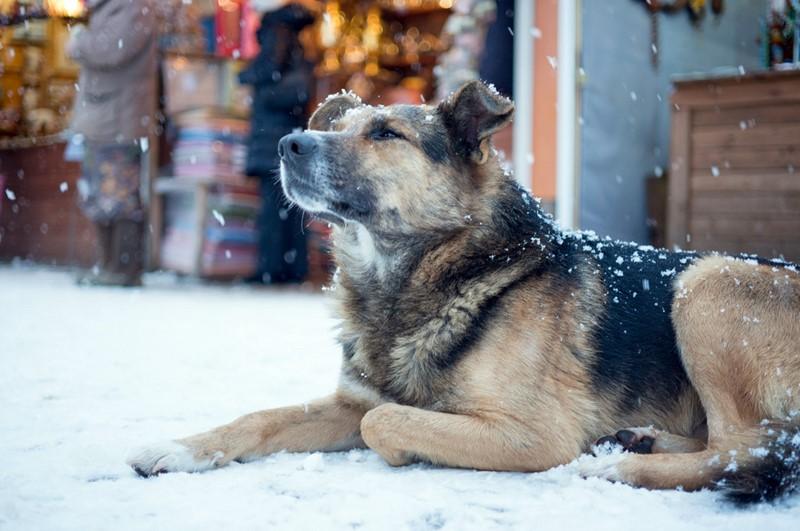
(477, 334)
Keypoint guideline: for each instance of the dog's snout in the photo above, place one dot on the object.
(296, 145)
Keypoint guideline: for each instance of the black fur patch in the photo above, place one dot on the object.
(770, 478)
(637, 355)
(435, 145)
(349, 349)
(432, 137)
(488, 312)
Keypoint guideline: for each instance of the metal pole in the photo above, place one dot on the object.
(567, 105)
(524, 23)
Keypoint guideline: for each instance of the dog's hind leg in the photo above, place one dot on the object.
(329, 424)
(404, 434)
(737, 332)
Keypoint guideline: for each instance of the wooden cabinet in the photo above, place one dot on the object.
(735, 165)
(42, 222)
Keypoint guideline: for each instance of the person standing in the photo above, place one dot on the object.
(114, 114)
(281, 80)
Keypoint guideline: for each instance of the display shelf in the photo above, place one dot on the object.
(23, 142)
(200, 194)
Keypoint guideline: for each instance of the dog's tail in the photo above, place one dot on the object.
(766, 471)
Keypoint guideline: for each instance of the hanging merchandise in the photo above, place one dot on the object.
(37, 78)
(695, 8)
(380, 46)
(229, 28)
(781, 34)
(179, 26)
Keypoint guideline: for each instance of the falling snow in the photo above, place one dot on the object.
(219, 217)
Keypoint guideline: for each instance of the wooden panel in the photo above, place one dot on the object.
(751, 115)
(678, 196)
(712, 203)
(744, 159)
(788, 249)
(767, 88)
(43, 223)
(735, 136)
(748, 227)
(716, 159)
(746, 180)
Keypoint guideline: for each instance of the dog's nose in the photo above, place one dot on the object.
(296, 145)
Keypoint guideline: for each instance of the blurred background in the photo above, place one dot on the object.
(139, 136)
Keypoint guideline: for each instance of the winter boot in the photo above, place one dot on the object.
(128, 248)
(99, 273)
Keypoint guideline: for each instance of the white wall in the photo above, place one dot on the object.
(625, 109)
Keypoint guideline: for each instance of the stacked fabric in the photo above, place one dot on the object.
(210, 145)
(231, 235)
(226, 245)
(211, 210)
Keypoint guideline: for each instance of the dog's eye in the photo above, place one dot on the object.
(385, 134)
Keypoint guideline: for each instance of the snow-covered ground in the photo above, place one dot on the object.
(88, 374)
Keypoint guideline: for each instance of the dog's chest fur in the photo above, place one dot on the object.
(404, 328)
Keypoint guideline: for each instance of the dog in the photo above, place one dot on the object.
(477, 334)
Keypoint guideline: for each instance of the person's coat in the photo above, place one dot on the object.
(281, 80)
(117, 54)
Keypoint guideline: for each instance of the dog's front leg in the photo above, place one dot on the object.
(329, 424)
(403, 434)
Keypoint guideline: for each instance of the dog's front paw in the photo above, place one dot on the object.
(379, 432)
(604, 466)
(170, 456)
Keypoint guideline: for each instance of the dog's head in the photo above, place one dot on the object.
(400, 169)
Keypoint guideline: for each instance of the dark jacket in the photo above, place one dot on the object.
(281, 80)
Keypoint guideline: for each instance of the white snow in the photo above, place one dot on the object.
(88, 375)
(219, 217)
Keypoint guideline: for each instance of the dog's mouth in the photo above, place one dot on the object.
(315, 199)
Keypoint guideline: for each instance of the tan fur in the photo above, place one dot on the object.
(328, 424)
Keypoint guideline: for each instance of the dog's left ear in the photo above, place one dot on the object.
(473, 114)
(333, 108)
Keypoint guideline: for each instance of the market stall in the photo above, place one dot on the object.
(38, 217)
(385, 51)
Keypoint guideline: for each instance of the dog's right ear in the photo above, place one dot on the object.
(333, 108)
(473, 114)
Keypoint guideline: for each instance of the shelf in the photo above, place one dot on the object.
(169, 185)
(22, 142)
(37, 14)
(202, 56)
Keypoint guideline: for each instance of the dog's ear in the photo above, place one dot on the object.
(333, 108)
(472, 115)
